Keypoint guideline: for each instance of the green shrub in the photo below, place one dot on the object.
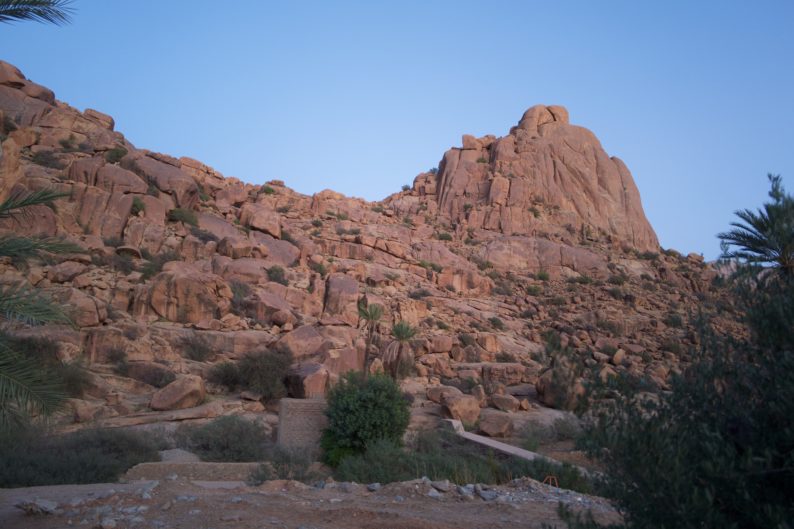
(265, 372)
(227, 438)
(535, 211)
(444, 236)
(266, 190)
(445, 456)
(542, 276)
(240, 291)
(276, 273)
(282, 463)
(419, 293)
(47, 159)
(203, 235)
(154, 265)
(617, 279)
(674, 320)
(496, 323)
(225, 374)
(137, 205)
(378, 209)
(534, 290)
(183, 215)
(319, 268)
(196, 347)
(406, 187)
(317, 223)
(482, 159)
(115, 154)
(151, 374)
(31, 458)
(403, 331)
(118, 357)
(466, 339)
(430, 266)
(362, 410)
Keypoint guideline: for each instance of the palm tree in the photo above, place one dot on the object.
(56, 12)
(397, 354)
(765, 237)
(26, 386)
(371, 314)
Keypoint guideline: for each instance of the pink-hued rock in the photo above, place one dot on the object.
(166, 177)
(496, 423)
(185, 392)
(341, 299)
(505, 402)
(545, 159)
(465, 408)
(262, 218)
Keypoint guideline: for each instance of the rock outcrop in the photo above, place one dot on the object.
(515, 249)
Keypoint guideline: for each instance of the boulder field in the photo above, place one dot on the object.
(512, 250)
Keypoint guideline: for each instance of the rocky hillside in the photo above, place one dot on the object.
(509, 239)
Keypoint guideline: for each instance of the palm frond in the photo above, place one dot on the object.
(25, 304)
(56, 12)
(23, 248)
(25, 387)
(24, 199)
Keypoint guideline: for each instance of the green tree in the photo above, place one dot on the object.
(362, 410)
(25, 385)
(56, 12)
(765, 236)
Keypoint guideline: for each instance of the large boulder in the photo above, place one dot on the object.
(465, 408)
(496, 423)
(185, 392)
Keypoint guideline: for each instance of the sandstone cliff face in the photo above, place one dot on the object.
(545, 175)
(512, 238)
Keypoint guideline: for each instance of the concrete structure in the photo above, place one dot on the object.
(301, 423)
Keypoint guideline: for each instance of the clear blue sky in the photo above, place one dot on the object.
(696, 97)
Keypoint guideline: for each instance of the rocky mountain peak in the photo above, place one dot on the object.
(546, 176)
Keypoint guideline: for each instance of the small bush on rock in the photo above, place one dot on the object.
(264, 372)
(183, 215)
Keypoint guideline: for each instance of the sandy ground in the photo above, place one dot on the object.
(183, 502)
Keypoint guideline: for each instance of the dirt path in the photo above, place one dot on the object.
(182, 503)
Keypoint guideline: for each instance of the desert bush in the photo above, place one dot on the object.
(31, 457)
(319, 268)
(72, 377)
(137, 206)
(542, 276)
(673, 320)
(444, 236)
(617, 279)
(225, 374)
(496, 323)
(183, 215)
(445, 456)
(151, 374)
(115, 154)
(362, 410)
(277, 274)
(265, 371)
(266, 190)
(419, 293)
(466, 339)
(534, 290)
(122, 263)
(47, 159)
(203, 235)
(154, 264)
(196, 347)
(227, 438)
(240, 291)
(282, 463)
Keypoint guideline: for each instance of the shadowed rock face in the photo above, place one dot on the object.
(545, 173)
